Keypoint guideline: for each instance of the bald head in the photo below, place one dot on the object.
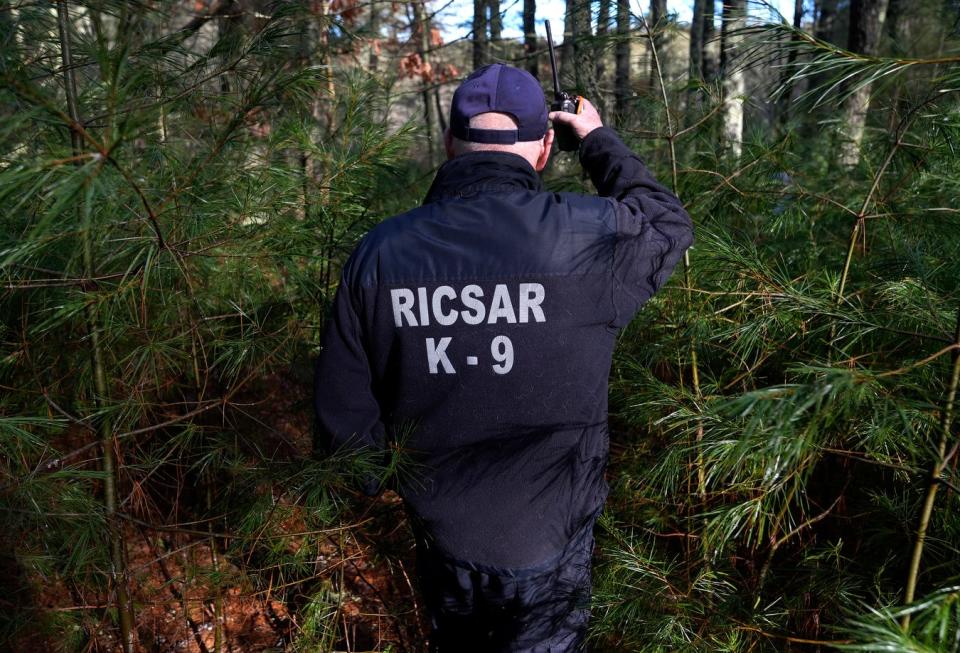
(535, 152)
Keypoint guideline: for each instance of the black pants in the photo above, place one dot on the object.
(520, 611)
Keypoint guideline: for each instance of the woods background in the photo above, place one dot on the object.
(180, 182)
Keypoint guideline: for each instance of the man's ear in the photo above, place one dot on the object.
(544, 151)
(448, 143)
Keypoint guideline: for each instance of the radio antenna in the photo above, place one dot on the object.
(553, 62)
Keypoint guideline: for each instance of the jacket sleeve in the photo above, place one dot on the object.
(653, 229)
(348, 414)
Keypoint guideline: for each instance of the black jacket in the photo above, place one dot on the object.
(480, 327)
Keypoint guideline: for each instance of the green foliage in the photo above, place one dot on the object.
(778, 410)
(757, 508)
(198, 231)
(935, 619)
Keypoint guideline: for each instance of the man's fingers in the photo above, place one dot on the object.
(582, 123)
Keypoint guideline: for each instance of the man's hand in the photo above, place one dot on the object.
(582, 123)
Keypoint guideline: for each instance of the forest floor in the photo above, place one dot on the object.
(364, 575)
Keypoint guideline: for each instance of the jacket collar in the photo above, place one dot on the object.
(475, 172)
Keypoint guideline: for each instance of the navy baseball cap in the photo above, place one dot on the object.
(504, 89)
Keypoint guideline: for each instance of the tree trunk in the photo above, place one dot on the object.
(323, 30)
(374, 27)
(658, 22)
(495, 24)
(696, 40)
(9, 52)
(600, 73)
(825, 20)
(798, 12)
(422, 22)
(480, 51)
(866, 27)
(530, 37)
(441, 117)
(566, 50)
(824, 29)
(783, 106)
(622, 79)
(708, 64)
(603, 17)
(695, 67)
(583, 49)
(734, 80)
(658, 11)
(496, 20)
(900, 24)
(118, 564)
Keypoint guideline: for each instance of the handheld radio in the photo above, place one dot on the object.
(567, 140)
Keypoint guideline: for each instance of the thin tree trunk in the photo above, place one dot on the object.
(824, 29)
(708, 64)
(603, 28)
(658, 20)
(118, 566)
(323, 33)
(696, 40)
(603, 17)
(695, 68)
(374, 28)
(694, 365)
(495, 25)
(530, 36)
(9, 54)
(441, 118)
(567, 62)
(900, 26)
(825, 20)
(866, 27)
(943, 459)
(734, 79)
(622, 77)
(798, 12)
(420, 18)
(480, 50)
(783, 106)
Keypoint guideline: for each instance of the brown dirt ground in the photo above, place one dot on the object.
(367, 570)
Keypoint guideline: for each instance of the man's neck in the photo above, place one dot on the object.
(486, 171)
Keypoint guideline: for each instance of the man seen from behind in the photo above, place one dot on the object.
(486, 318)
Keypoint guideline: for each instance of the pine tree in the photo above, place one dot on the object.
(164, 252)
